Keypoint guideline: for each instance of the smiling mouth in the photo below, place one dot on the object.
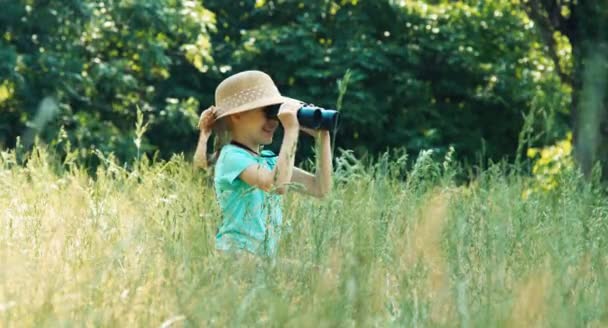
(271, 131)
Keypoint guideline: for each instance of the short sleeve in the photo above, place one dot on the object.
(270, 158)
(233, 162)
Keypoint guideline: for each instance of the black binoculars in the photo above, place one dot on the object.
(309, 116)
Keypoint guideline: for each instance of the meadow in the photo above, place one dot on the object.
(398, 243)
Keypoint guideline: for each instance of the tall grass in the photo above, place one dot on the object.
(135, 248)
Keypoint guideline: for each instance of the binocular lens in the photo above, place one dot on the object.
(311, 117)
(329, 119)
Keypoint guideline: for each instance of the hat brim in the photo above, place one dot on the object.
(263, 102)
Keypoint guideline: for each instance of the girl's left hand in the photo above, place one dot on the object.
(206, 120)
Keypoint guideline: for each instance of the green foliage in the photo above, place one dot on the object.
(100, 60)
(423, 75)
(550, 163)
(578, 30)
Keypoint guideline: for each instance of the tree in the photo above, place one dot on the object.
(100, 61)
(424, 75)
(583, 23)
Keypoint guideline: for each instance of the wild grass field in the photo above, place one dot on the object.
(388, 248)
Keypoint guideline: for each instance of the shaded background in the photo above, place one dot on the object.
(424, 74)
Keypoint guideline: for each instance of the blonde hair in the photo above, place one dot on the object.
(222, 137)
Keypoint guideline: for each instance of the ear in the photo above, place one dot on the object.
(235, 117)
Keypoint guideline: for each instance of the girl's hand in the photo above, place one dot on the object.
(205, 122)
(288, 115)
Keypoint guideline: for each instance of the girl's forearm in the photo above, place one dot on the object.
(200, 155)
(287, 154)
(323, 176)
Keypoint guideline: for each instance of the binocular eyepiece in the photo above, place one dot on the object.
(310, 116)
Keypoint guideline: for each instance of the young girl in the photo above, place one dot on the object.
(249, 182)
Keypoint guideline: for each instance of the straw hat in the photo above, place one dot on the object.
(246, 91)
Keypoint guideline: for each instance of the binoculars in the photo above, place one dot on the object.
(309, 116)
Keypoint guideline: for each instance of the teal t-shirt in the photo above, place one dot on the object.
(251, 217)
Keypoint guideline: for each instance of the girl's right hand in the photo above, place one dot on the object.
(205, 122)
(288, 115)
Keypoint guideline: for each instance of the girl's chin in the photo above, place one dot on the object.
(267, 136)
(265, 139)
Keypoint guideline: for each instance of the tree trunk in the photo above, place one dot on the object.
(591, 126)
(589, 42)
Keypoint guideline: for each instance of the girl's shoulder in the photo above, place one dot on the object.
(231, 152)
(232, 149)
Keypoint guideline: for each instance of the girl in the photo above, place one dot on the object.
(249, 182)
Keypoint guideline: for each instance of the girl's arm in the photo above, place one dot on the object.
(320, 184)
(259, 176)
(205, 124)
(200, 155)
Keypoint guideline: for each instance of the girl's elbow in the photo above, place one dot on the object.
(276, 186)
(268, 185)
(281, 189)
(265, 187)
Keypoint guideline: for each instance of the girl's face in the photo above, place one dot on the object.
(254, 126)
